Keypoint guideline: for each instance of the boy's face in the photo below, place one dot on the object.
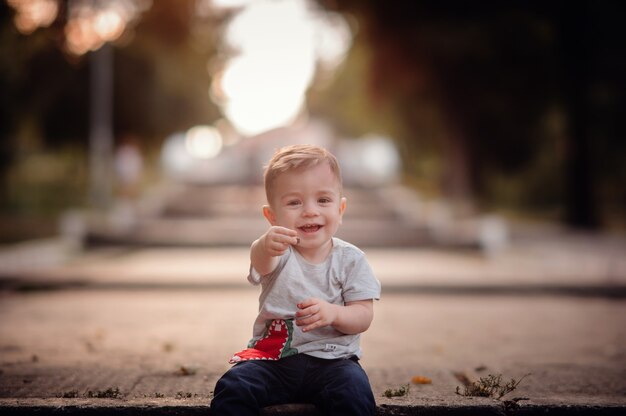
(309, 201)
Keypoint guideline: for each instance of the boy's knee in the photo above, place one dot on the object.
(354, 397)
(231, 397)
(236, 382)
(352, 371)
(356, 384)
(241, 385)
(350, 383)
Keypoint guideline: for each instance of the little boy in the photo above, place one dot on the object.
(316, 298)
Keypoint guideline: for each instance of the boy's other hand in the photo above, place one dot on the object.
(315, 313)
(277, 239)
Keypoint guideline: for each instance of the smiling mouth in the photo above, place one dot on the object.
(310, 228)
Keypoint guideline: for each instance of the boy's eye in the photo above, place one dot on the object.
(293, 203)
(324, 200)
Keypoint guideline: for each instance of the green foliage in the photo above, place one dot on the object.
(110, 393)
(507, 102)
(160, 78)
(185, 395)
(465, 94)
(400, 392)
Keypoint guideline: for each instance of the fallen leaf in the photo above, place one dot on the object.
(421, 380)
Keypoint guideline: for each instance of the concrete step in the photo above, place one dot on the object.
(231, 215)
(58, 346)
(116, 407)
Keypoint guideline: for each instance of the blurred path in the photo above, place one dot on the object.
(226, 215)
(198, 236)
(565, 264)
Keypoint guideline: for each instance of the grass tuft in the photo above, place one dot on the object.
(490, 386)
(402, 391)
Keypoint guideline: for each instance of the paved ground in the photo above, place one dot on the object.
(153, 328)
(153, 343)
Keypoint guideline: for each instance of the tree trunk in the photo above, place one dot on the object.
(580, 205)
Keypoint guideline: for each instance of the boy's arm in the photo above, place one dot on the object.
(267, 249)
(352, 318)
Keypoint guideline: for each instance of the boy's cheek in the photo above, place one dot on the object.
(286, 221)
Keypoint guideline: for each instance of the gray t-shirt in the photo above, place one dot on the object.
(345, 276)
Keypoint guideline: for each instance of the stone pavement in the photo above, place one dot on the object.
(149, 330)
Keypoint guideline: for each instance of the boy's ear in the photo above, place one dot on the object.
(342, 208)
(269, 214)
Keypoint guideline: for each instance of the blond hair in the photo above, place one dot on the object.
(296, 157)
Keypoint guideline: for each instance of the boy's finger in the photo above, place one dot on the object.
(308, 321)
(286, 231)
(305, 303)
(288, 240)
(305, 312)
(314, 325)
(293, 236)
(305, 321)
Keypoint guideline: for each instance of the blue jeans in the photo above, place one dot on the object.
(335, 387)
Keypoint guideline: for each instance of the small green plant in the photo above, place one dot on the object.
(184, 395)
(490, 386)
(402, 391)
(72, 394)
(110, 393)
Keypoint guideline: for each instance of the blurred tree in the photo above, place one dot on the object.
(592, 63)
(162, 81)
(522, 101)
(33, 75)
(160, 78)
(503, 90)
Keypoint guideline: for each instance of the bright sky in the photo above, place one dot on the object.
(279, 45)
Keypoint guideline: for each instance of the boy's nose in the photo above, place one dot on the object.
(309, 210)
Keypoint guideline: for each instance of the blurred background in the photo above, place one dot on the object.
(484, 162)
(128, 120)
